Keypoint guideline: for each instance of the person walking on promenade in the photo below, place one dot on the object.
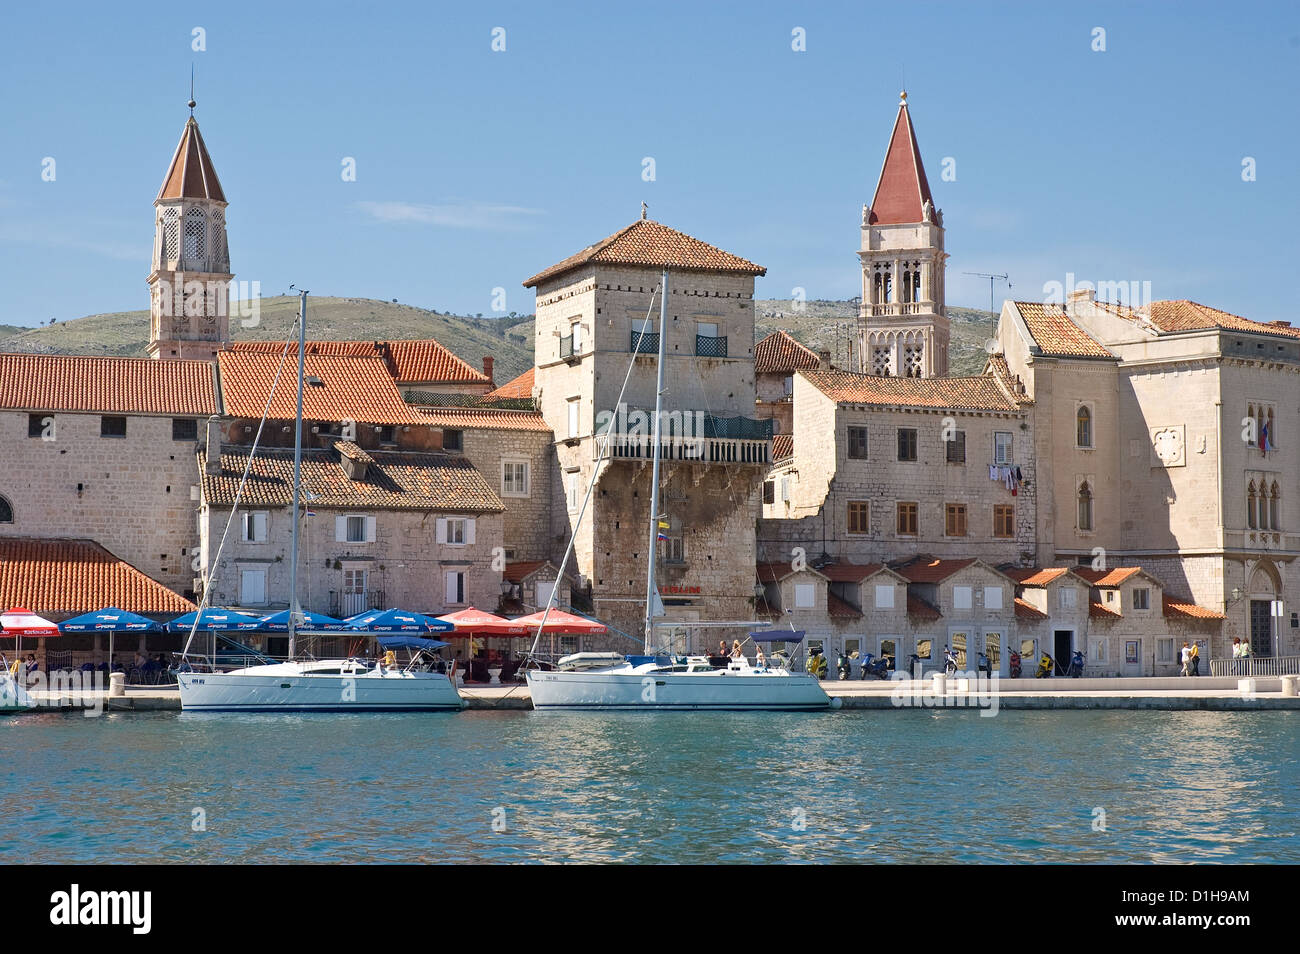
(1186, 658)
(1236, 656)
(1196, 659)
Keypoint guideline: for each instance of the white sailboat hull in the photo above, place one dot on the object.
(293, 687)
(630, 688)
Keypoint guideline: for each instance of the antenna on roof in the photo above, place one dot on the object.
(192, 104)
(992, 278)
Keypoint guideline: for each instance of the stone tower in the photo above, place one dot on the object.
(902, 323)
(190, 276)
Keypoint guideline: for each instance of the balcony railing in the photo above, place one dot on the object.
(702, 450)
(566, 346)
(647, 343)
(707, 347)
(884, 309)
(343, 605)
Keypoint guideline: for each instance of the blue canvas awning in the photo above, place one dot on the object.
(397, 621)
(410, 642)
(778, 636)
(279, 622)
(216, 620)
(110, 620)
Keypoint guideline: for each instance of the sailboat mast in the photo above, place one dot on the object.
(294, 608)
(651, 592)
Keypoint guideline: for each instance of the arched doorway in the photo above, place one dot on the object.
(1263, 587)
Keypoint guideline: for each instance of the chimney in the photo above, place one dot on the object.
(487, 368)
(1081, 294)
(824, 359)
(213, 446)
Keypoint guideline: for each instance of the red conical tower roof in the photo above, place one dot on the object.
(902, 190)
(191, 176)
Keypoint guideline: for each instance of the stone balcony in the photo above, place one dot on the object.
(691, 437)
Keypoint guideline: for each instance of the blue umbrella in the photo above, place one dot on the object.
(279, 622)
(216, 620)
(410, 642)
(110, 620)
(397, 621)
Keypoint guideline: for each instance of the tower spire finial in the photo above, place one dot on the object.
(192, 104)
(644, 207)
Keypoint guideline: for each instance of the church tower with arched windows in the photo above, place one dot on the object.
(190, 277)
(902, 322)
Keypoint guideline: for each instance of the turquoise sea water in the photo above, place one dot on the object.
(671, 787)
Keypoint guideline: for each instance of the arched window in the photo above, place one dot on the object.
(1083, 426)
(196, 227)
(6, 511)
(1275, 507)
(171, 233)
(1251, 500)
(1085, 506)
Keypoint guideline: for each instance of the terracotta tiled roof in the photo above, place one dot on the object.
(1183, 315)
(414, 361)
(1112, 577)
(1176, 609)
(396, 480)
(779, 353)
(1101, 611)
(352, 389)
(191, 175)
(920, 609)
(1000, 371)
(518, 388)
(772, 572)
(841, 609)
(931, 571)
(65, 578)
(520, 571)
(902, 189)
(56, 382)
(1056, 334)
(782, 446)
(648, 243)
(487, 418)
(1026, 610)
(980, 393)
(1037, 576)
(850, 572)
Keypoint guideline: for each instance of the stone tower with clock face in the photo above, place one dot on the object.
(189, 282)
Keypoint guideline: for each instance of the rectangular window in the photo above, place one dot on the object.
(255, 526)
(674, 551)
(573, 496)
(456, 531)
(769, 491)
(575, 329)
(455, 587)
(859, 516)
(185, 429)
(1066, 597)
(1004, 521)
(787, 385)
(993, 597)
(923, 648)
(955, 448)
(993, 649)
(961, 597)
(514, 478)
(1028, 654)
(889, 651)
(37, 425)
(1141, 598)
(907, 443)
(1002, 447)
(884, 596)
(803, 596)
(955, 522)
(356, 530)
(112, 426)
(1100, 651)
(857, 443)
(575, 417)
(907, 520)
(387, 434)
(453, 440)
(1165, 649)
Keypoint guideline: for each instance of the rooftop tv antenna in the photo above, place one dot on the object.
(992, 278)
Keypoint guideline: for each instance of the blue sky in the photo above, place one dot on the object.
(477, 168)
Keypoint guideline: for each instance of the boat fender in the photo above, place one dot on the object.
(837, 702)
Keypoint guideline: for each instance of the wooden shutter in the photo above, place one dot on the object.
(469, 530)
(370, 529)
(341, 529)
(440, 532)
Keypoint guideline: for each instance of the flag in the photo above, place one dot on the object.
(662, 536)
(1265, 444)
(662, 525)
(311, 513)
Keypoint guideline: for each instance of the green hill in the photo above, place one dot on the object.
(821, 325)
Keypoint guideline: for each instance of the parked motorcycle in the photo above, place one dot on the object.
(871, 666)
(817, 664)
(1076, 665)
(1045, 667)
(1014, 664)
(844, 664)
(949, 661)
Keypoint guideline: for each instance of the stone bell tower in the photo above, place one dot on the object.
(902, 322)
(190, 278)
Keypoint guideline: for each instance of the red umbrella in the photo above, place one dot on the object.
(559, 621)
(475, 622)
(23, 622)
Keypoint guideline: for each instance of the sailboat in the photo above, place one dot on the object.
(347, 685)
(658, 679)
